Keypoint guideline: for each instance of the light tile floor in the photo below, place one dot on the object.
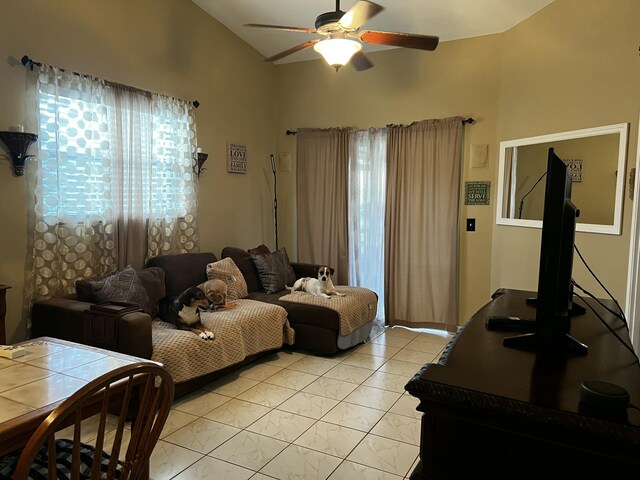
(291, 415)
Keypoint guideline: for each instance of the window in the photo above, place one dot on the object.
(114, 181)
(367, 186)
(98, 154)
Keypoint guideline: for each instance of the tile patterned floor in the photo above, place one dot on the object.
(296, 416)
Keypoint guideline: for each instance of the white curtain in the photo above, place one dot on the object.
(113, 183)
(367, 184)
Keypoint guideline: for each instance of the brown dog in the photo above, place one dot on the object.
(216, 291)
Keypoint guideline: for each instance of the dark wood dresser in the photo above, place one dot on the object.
(495, 412)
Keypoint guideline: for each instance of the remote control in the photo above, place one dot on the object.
(510, 323)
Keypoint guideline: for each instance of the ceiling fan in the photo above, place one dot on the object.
(344, 37)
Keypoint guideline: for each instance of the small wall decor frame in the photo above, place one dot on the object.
(236, 158)
(574, 168)
(477, 193)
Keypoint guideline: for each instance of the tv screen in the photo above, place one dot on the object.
(555, 292)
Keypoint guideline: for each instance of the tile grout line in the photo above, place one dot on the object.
(315, 420)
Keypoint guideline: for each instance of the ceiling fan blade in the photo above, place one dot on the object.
(295, 49)
(282, 27)
(407, 40)
(357, 15)
(360, 61)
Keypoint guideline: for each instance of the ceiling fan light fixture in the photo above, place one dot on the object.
(337, 51)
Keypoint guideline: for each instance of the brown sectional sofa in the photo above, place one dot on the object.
(316, 328)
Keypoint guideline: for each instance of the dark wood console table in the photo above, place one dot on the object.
(495, 412)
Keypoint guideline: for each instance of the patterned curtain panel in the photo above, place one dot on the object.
(113, 183)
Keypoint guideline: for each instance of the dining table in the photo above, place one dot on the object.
(49, 371)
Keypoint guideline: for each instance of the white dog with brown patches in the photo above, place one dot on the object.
(321, 286)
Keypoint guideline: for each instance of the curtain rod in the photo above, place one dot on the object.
(469, 120)
(30, 63)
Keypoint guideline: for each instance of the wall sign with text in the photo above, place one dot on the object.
(477, 193)
(574, 168)
(236, 158)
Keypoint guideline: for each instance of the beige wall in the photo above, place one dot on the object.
(572, 65)
(166, 46)
(459, 78)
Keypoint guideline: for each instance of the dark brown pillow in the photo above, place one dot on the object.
(274, 270)
(152, 279)
(124, 286)
(259, 250)
(87, 288)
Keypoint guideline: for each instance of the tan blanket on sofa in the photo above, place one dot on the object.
(356, 308)
(249, 328)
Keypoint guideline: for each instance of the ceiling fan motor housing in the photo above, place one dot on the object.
(328, 18)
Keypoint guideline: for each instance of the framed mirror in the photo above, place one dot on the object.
(595, 158)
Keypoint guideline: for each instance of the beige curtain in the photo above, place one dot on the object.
(508, 187)
(322, 195)
(421, 238)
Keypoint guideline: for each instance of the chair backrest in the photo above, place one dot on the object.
(142, 392)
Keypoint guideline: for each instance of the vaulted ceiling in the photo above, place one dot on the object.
(448, 19)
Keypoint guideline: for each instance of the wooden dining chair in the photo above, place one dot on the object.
(142, 392)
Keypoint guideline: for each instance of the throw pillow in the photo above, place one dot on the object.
(152, 279)
(227, 271)
(259, 250)
(124, 286)
(88, 288)
(274, 270)
(245, 264)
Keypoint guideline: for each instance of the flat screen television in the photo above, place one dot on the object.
(555, 292)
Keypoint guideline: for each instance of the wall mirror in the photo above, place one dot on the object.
(596, 160)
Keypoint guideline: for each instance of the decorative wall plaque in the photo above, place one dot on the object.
(574, 168)
(477, 193)
(236, 158)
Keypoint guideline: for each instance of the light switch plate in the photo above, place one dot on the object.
(471, 224)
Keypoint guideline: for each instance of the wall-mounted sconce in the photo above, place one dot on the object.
(18, 143)
(200, 159)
